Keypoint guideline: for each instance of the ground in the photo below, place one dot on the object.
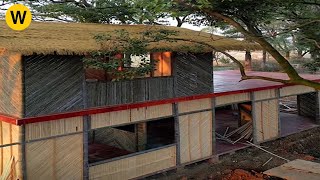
(244, 164)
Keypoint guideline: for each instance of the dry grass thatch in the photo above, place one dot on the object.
(76, 38)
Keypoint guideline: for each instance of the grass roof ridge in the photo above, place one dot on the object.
(78, 38)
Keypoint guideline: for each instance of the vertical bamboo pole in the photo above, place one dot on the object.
(22, 138)
(318, 107)
(213, 104)
(254, 119)
(279, 119)
(22, 153)
(86, 128)
(175, 109)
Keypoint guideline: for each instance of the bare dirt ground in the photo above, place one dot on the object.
(248, 164)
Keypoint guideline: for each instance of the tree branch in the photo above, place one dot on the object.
(251, 34)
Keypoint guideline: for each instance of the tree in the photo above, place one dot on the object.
(246, 16)
(112, 11)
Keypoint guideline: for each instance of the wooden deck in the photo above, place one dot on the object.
(297, 170)
(228, 81)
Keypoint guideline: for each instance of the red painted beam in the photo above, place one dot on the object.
(8, 119)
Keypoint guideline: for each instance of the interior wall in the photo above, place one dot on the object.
(53, 84)
(11, 84)
(115, 137)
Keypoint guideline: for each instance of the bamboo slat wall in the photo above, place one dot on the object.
(11, 84)
(195, 136)
(307, 105)
(53, 128)
(234, 98)
(10, 134)
(265, 94)
(193, 73)
(135, 166)
(57, 158)
(294, 90)
(52, 84)
(266, 119)
(158, 111)
(110, 119)
(195, 105)
(131, 115)
(125, 92)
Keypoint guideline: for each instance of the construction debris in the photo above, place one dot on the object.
(267, 162)
(259, 147)
(288, 105)
(242, 133)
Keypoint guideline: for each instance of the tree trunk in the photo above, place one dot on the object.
(287, 55)
(264, 58)
(300, 54)
(248, 61)
(179, 21)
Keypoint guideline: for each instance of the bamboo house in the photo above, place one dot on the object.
(61, 120)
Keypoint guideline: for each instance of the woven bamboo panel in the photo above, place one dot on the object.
(110, 119)
(11, 84)
(135, 166)
(127, 116)
(9, 133)
(266, 119)
(53, 128)
(53, 84)
(193, 73)
(194, 105)
(195, 136)
(265, 94)
(294, 90)
(57, 158)
(234, 98)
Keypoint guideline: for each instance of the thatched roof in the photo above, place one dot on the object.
(76, 38)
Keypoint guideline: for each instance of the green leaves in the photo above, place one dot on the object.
(120, 41)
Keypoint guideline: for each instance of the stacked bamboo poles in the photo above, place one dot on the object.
(242, 133)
